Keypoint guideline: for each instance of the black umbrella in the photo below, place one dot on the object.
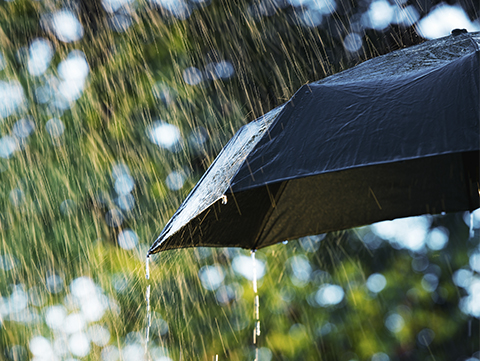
(395, 136)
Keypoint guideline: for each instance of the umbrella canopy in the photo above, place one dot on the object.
(395, 136)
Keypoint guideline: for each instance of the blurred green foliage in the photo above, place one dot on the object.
(272, 56)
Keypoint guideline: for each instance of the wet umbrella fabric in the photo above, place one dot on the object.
(395, 136)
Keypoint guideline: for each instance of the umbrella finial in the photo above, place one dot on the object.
(456, 32)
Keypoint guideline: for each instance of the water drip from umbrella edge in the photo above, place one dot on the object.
(256, 315)
(147, 298)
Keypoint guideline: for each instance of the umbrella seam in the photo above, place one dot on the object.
(269, 213)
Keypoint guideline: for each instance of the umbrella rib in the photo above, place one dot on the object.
(375, 197)
(270, 211)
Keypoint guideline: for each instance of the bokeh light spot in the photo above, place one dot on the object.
(329, 295)
(8, 146)
(99, 335)
(425, 337)
(443, 19)
(192, 76)
(211, 277)
(311, 243)
(175, 180)
(23, 127)
(301, 270)
(55, 317)
(379, 15)
(127, 239)
(55, 127)
(66, 26)
(54, 282)
(394, 322)
(380, 356)
(353, 42)
(79, 344)
(430, 282)
(16, 197)
(409, 233)
(11, 97)
(114, 218)
(40, 54)
(437, 239)
(376, 282)
(7, 262)
(41, 347)
(164, 135)
(124, 185)
(245, 267)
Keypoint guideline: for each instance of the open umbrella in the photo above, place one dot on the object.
(395, 136)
